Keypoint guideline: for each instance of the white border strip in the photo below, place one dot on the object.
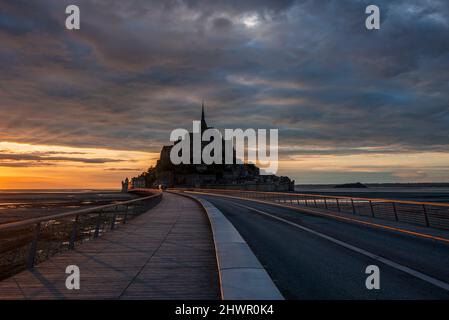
(242, 276)
(412, 272)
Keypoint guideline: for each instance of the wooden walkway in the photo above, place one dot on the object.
(166, 253)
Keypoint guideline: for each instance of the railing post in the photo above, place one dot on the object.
(33, 247)
(297, 200)
(353, 207)
(325, 203)
(126, 215)
(307, 203)
(395, 212)
(97, 226)
(426, 218)
(114, 216)
(372, 208)
(73, 234)
(338, 205)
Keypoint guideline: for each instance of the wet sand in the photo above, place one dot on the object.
(19, 205)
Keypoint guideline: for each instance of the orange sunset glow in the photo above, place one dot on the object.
(26, 166)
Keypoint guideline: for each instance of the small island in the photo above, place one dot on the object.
(351, 185)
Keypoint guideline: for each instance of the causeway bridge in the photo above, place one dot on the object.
(231, 244)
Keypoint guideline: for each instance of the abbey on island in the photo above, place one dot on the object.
(242, 176)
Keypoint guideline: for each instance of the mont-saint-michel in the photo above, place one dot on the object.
(197, 173)
(212, 109)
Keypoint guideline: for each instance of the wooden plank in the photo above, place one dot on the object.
(166, 253)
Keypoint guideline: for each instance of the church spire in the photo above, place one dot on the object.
(203, 120)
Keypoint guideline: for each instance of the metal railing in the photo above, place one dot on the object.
(26, 243)
(428, 214)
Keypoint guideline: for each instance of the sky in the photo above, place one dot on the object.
(87, 108)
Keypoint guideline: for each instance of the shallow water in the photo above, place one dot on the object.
(426, 194)
(24, 204)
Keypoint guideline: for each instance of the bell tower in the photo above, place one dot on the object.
(204, 126)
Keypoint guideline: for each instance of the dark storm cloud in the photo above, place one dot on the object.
(37, 157)
(138, 69)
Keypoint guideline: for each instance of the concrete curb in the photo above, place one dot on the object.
(242, 276)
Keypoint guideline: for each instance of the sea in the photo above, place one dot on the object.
(412, 193)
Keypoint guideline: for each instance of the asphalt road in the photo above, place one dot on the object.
(325, 258)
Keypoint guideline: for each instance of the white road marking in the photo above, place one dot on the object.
(412, 272)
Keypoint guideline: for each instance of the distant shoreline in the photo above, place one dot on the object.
(382, 185)
(409, 192)
(22, 191)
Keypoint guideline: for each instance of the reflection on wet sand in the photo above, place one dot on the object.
(20, 205)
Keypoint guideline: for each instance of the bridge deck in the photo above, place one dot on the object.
(166, 253)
